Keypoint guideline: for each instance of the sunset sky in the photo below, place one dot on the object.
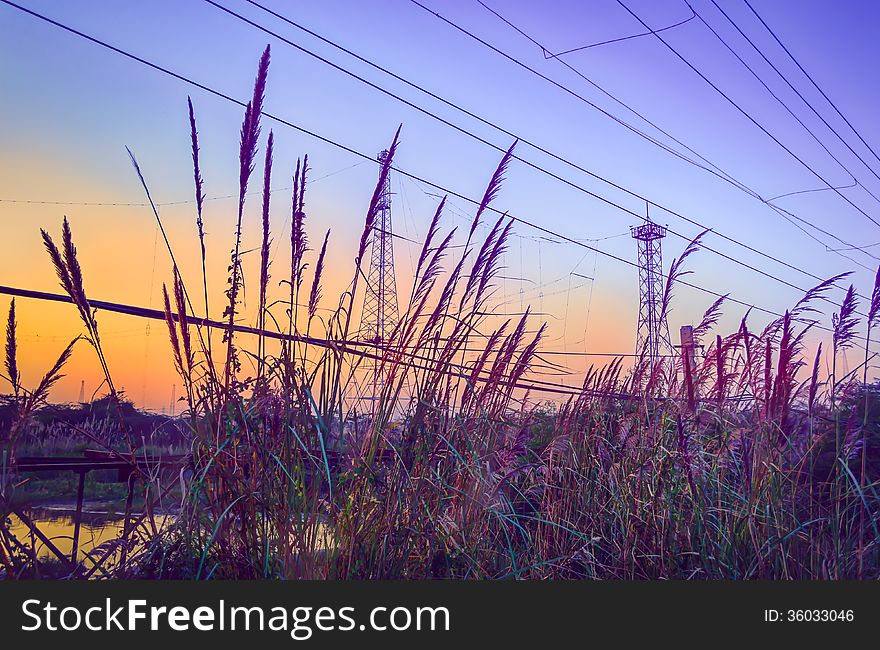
(69, 108)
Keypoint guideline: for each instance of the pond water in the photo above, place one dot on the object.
(57, 524)
(97, 527)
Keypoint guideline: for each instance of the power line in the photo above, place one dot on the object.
(347, 347)
(256, 192)
(784, 105)
(715, 170)
(615, 40)
(437, 97)
(167, 203)
(749, 116)
(855, 182)
(466, 111)
(812, 81)
(723, 175)
(355, 348)
(78, 203)
(817, 189)
(399, 170)
(500, 149)
(786, 214)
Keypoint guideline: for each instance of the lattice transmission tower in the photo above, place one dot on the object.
(652, 337)
(380, 313)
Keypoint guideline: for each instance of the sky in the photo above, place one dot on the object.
(69, 109)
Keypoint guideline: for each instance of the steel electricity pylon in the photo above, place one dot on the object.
(652, 337)
(380, 313)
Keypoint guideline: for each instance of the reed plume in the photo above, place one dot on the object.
(493, 188)
(24, 402)
(197, 173)
(298, 239)
(873, 316)
(872, 320)
(69, 273)
(804, 305)
(200, 224)
(373, 208)
(789, 363)
(41, 393)
(265, 249)
(172, 333)
(315, 293)
(11, 350)
(433, 228)
(183, 321)
(181, 345)
(710, 318)
(814, 380)
(480, 363)
(250, 133)
(874, 309)
(676, 272)
(298, 248)
(250, 128)
(844, 323)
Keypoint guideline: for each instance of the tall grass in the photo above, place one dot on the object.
(734, 468)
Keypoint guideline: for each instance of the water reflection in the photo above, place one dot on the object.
(102, 527)
(96, 528)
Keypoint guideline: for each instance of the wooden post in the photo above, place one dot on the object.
(122, 555)
(77, 518)
(686, 338)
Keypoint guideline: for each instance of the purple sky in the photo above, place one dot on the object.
(69, 107)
